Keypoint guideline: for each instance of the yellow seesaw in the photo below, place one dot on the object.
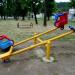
(46, 43)
(7, 55)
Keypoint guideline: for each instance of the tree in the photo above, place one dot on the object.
(4, 9)
(35, 6)
(1, 8)
(20, 8)
(24, 8)
(16, 9)
(9, 7)
(63, 6)
(45, 14)
(49, 7)
(72, 3)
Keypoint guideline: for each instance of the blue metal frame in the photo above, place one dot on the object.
(6, 44)
(72, 28)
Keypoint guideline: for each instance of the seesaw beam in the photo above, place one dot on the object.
(28, 48)
(48, 45)
(61, 35)
(46, 42)
(7, 54)
(42, 43)
(35, 36)
(38, 39)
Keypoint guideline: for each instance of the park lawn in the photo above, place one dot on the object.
(9, 27)
(66, 38)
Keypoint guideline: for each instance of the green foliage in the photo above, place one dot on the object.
(72, 3)
(35, 5)
(62, 6)
(50, 7)
(18, 8)
(9, 8)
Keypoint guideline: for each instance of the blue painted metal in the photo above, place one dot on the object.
(72, 28)
(5, 44)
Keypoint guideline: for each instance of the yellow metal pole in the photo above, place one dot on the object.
(48, 50)
(35, 36)
(47, 42)
(39, 40)
(33, 46)
(28, 48)
(6, 55)
(42, 43)
(61, 36)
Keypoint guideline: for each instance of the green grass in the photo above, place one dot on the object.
(68, 38)
(65, 38)
(9, 27)
(72, 23)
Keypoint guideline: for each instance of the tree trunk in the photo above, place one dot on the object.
(45, 15)
(4, 17)
(48, 17)
(35, 18)
(15, 17)
(45, 20)
(29, 16)
(23, 18)
(1, 17)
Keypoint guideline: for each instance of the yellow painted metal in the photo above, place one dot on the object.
(7, 54)
(28, 48)
(48, 49)
(39, 40)
(35, 36)
(42, 43)
(47, 42)
(61, 36)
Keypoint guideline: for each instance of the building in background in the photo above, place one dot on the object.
(71, 13)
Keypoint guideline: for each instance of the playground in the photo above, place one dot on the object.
(37, 37)
(30, 63)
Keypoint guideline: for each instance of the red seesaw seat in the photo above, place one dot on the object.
(61, 20)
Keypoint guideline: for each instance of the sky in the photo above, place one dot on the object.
(62, 0)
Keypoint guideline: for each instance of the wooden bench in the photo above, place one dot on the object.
(25, 26)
